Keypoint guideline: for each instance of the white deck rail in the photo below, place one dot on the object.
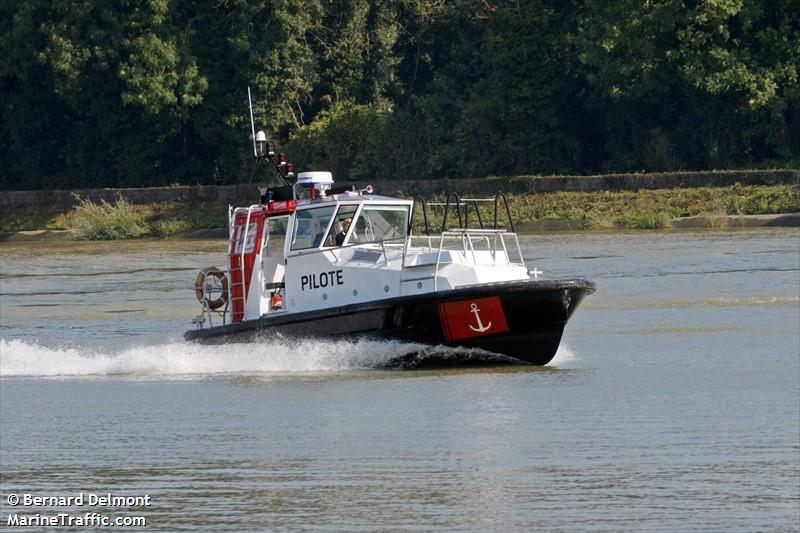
(493, 239)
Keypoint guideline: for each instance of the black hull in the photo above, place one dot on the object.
(534, 312)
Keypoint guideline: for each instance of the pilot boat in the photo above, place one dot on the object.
(346, 263)
(312, 260)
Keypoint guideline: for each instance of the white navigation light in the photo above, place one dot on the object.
(319, 180)
(261, 144)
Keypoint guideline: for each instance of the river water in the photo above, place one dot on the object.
(672, 405)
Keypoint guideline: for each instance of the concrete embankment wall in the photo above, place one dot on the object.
(605, 182)
(243, 194)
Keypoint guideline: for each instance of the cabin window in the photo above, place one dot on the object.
(310, 226)
(381, 223)
(276, 228)
(341, 223)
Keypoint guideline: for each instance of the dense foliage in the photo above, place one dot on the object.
(140, 93)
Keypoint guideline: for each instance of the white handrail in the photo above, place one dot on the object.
(466, 235)
(241, 256)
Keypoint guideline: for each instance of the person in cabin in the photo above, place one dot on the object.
(342, 234)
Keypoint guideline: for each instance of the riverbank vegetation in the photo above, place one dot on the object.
(137, 94)
(645, 209)
(654, 209)
(103, 221)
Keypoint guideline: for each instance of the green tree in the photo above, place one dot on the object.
(153, 92)
(265, 46)
(691, 86)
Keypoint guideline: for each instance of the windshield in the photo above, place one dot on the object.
(341, 225)
(381, 223)
(310, 227)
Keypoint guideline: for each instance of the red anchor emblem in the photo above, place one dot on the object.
(471, 318)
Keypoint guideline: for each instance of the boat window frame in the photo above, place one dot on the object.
(365, 206)
(353, 216)
(338, 203)
(265, 244)
(291, 249)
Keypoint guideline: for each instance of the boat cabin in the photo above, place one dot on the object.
(341, 247)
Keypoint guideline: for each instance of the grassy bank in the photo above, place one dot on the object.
(655, 209)
(119, 219)
(645, 209)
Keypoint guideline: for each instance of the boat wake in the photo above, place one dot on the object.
(186, 360)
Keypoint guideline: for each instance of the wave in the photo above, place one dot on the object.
(20, 358)
(563, 356)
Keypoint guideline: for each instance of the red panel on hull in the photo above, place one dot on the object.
(471, 318)
(251, 245)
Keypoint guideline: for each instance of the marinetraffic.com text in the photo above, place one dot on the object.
(76, 511)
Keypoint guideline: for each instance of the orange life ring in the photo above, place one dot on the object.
(199, 287)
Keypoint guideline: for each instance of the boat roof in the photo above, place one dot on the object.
(348, 197)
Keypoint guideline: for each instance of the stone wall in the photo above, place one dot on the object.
(234, 194)
(606, 182)
(243, 194)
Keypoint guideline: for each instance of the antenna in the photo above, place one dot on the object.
(263, 150)
(252, 124)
